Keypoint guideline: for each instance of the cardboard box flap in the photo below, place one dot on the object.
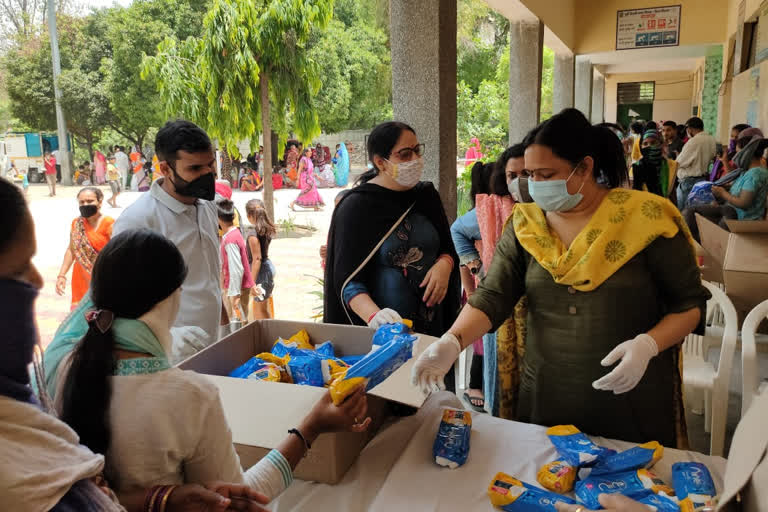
(747, 226)
(261, 413)
(714, 239)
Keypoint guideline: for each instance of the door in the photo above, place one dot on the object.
(628, 113)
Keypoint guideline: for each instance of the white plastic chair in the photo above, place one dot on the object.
(698, 373)
(751, 386)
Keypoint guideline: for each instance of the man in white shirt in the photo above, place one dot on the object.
(693, 161)
(123, 165)
(180, 207)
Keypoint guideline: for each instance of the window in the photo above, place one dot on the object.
(636, 92)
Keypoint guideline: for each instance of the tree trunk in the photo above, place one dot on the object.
(226, 165)
(266, 130)
(275, 150)
(140, 142)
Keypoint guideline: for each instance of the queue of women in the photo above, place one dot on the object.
(586, 291)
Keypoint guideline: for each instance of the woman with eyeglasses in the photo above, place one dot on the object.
(390, 254)
(612, 285)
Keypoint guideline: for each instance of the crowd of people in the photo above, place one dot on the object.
(579, 275)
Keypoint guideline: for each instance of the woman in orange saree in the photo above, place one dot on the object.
(90, 233)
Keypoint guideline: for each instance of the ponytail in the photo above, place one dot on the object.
(571, 137)
(87, 391)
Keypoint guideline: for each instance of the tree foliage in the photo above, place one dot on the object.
(214, 78)
(354, 63)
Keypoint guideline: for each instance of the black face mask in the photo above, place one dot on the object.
(203, 187)
(88, 210)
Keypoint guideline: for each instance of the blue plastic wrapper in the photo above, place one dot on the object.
(574, 447)
(283, 348)
(693, 484)
(642, 456)
(352, 360)
(512, 495)
(376, 366)
(451, 447)
(306, 370)
(247, 368)
(325, 350)
(388, 332)
(660, 503)
(701, 194)
(634, 484)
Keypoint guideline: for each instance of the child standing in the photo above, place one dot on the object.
(235, 272)
(114, 179)
(259, 235)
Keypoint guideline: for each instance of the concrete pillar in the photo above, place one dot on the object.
(562, 83)
(598, 98)
(526, 44)
(583, 86)
(423, 48)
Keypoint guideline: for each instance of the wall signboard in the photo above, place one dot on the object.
(648, 28)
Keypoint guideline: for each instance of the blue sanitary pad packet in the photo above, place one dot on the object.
(396, 349)
(642, 456)
(693, 484)
(247, 368)
(660, 503)
(306, 370)
(451, 447)
(352, 360)
(634, 484)
(574, 447)
(513, 495)
(325, 350)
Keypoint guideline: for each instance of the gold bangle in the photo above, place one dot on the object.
(168, 493)
(151, 505)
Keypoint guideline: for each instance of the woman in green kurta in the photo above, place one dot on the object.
(611, 281)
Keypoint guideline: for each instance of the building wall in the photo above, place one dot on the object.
(745, 93)
(673, 98)
(596, 21)
(558, 15)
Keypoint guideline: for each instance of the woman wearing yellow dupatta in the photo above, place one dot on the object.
(612, 288)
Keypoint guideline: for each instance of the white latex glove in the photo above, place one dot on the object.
(384, 317)
(434, 363)
(635, 355)
(187, 340)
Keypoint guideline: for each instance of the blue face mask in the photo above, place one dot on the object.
(553, 196)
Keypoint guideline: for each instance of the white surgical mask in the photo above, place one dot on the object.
(553, 195)
(514, 190)
(407, 174)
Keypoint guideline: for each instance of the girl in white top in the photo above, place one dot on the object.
(156, 424)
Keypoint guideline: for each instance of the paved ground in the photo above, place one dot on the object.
(296, 258)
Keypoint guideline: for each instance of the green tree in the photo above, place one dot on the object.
(132, 32)
(249, 56)
(354, 60)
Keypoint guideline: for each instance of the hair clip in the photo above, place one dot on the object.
(101, 318)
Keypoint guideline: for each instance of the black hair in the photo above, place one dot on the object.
(570, 137)
(13, 209)
(381, 142)
(86, 163)
(696, 123)
(87, 391)
(670, 123)
(612, 126)
(480, 180)
(180, 135)
(96, 191)
(742, 142)
(651, 125)
(498, 178)
(760, 149)
(636, 127)
(81, 167)
(498, 182)
(225, 210)
(740, 127)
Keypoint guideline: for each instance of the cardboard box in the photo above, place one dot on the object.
(739, 259)
(260, 413)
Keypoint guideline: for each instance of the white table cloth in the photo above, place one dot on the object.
(396, 470)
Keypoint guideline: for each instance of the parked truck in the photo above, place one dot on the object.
(25, 150)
